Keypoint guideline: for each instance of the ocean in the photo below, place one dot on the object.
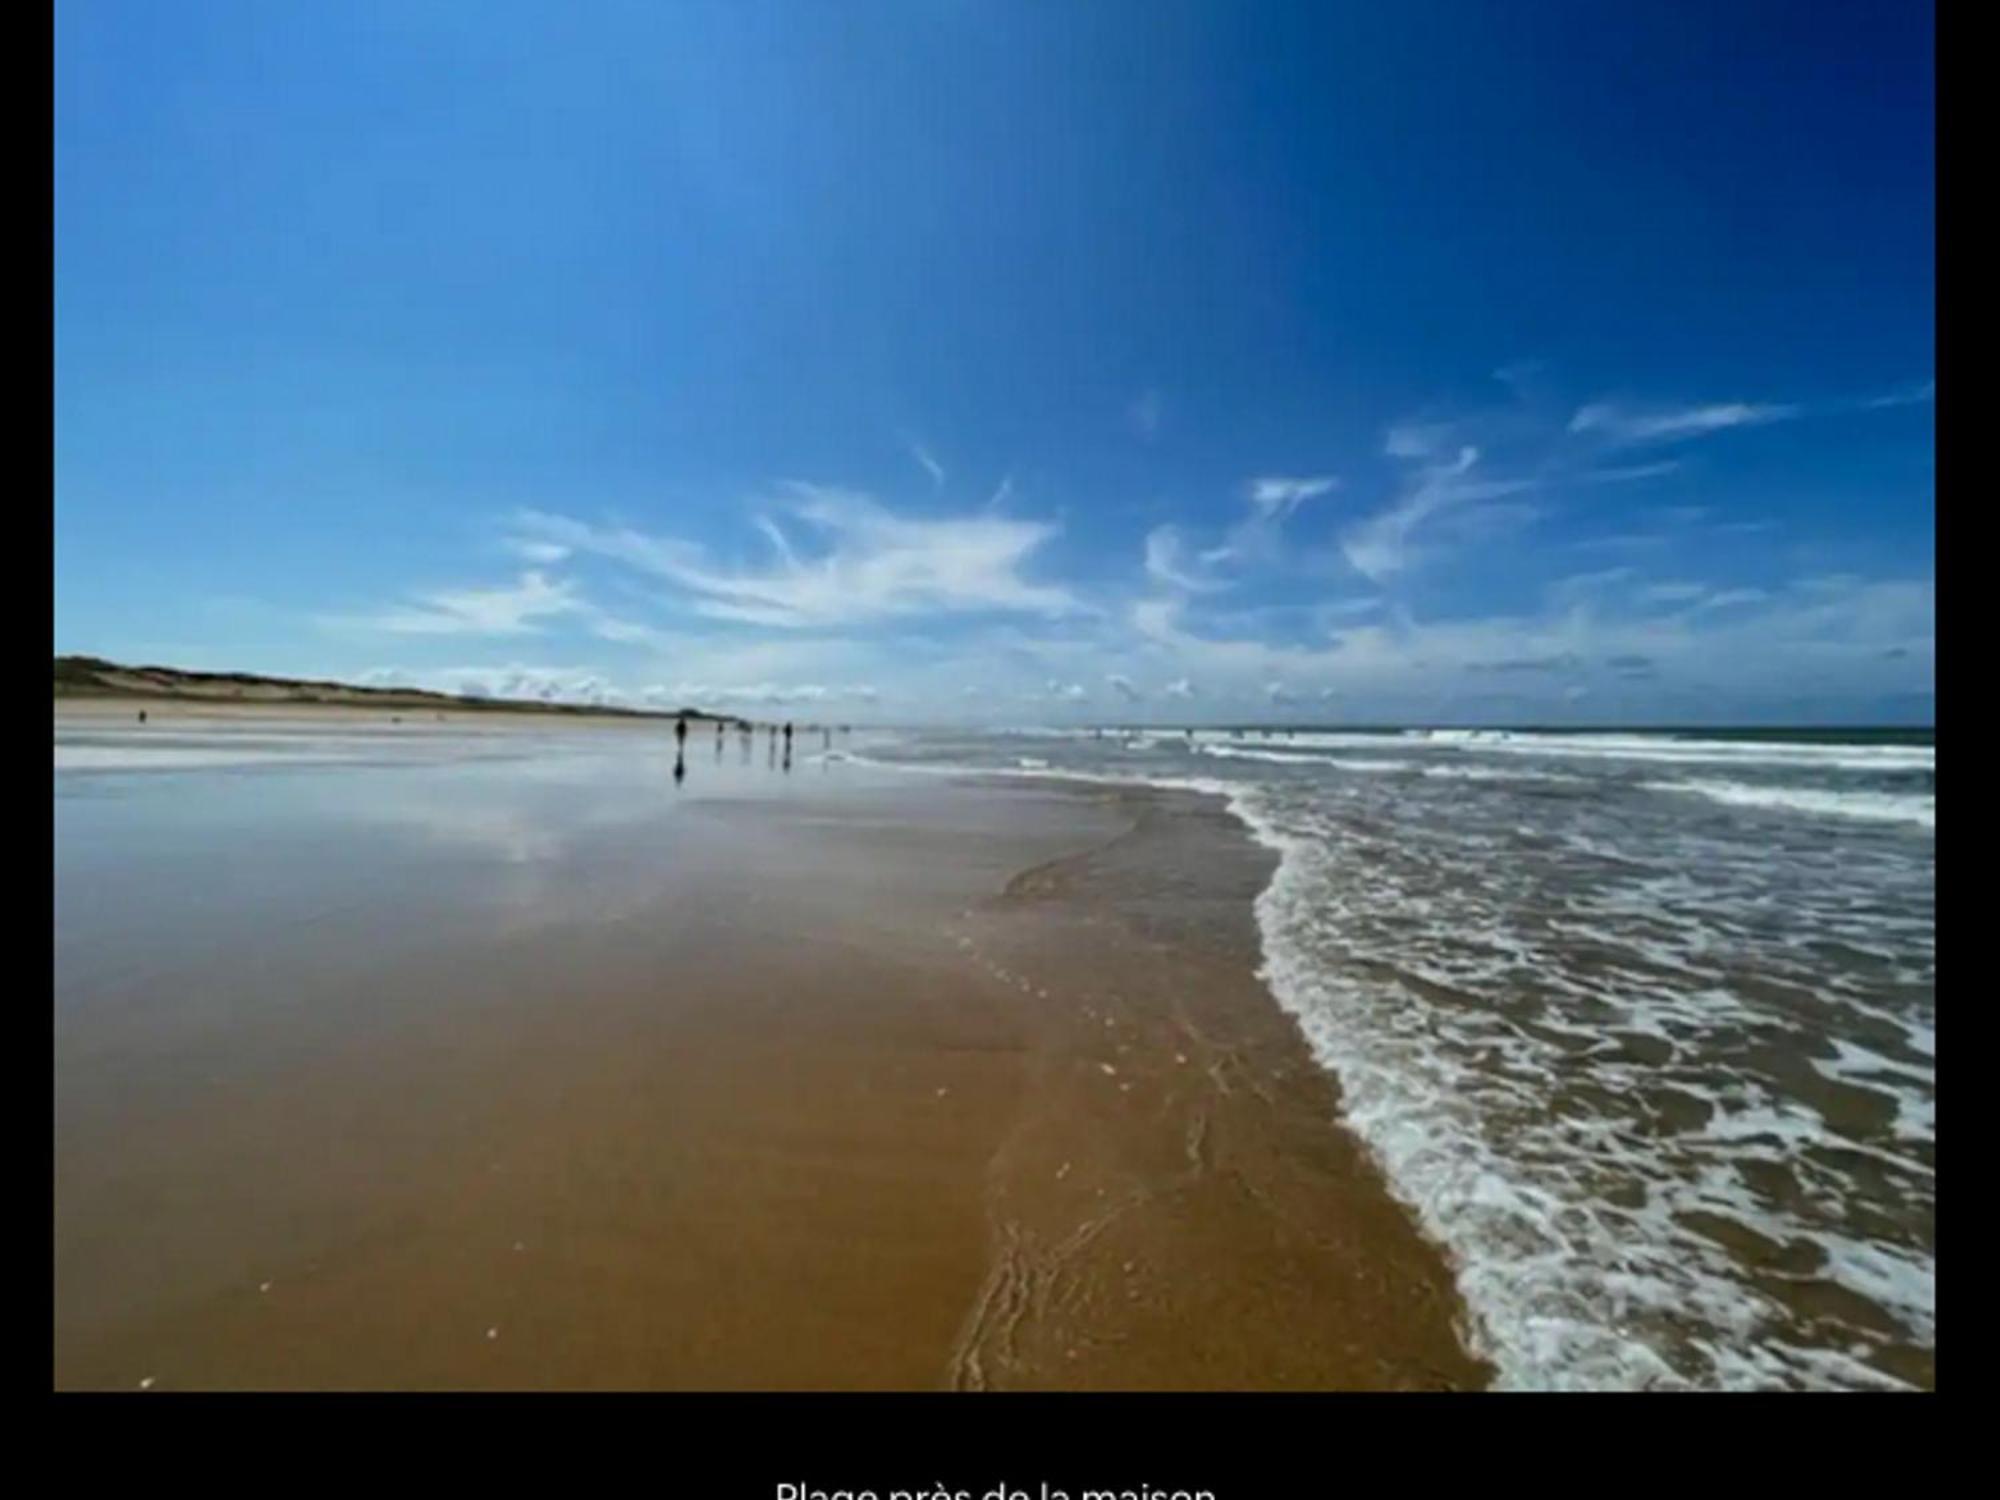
(1639, 1025)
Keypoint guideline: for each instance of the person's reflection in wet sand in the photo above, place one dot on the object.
(772, 758)
(680, 768)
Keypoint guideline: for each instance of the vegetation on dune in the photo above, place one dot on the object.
(92, 676)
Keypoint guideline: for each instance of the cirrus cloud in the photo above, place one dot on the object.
(837, 557)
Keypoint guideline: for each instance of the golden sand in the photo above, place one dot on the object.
(950, 1086)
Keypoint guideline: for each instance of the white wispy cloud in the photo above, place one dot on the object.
(925, 461)
(1700, 596)
(1249, 543)
(1617, 423)
(1180, 687)
(1253, 540)
(1583, 587)
(1417, 439)
(536, 552)
(847, 559)
(1730, 598)
(625, 632)
(1909, 396)
(1166, 561)
(514, 610)
(1123, 686)
(1622, 424)
(1673, 593)
(1628, 473)
(1623, 541)
(1385, 544)
(1276, 496)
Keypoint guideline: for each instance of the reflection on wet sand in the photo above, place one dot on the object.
(474, 1071)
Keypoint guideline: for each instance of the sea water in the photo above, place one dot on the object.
(1641, 1026)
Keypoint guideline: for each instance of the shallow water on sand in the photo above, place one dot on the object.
(367, 1041)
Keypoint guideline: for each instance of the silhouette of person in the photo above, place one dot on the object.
(788, 739)
(680, 732)
(142, 716)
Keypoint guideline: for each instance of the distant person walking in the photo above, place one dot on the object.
(680, 733)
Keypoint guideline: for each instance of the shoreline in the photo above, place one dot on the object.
(1270, 1182)
(1008, 1107)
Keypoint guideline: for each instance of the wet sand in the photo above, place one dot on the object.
(553, 1076)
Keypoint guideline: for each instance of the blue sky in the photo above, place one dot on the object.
(1010, 362)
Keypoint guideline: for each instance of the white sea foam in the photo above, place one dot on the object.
(1306, 758)
(1642, 747)
(1919, 808)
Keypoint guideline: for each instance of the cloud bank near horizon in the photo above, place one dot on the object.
(1315, 599)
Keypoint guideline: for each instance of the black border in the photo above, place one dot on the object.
(1235, 1444)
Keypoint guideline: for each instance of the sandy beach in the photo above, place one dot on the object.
(532, 1069)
